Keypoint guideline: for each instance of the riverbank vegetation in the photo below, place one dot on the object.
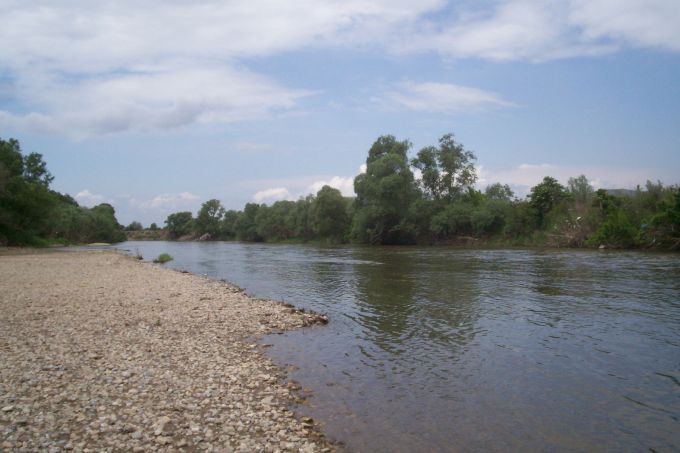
(442, 205)
(429, 198)
(33, 214)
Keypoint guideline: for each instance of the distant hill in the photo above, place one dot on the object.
(621, 192)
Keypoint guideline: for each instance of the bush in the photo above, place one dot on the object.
(616, 231)
(163, 258)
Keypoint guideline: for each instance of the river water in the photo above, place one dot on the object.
(445, 349)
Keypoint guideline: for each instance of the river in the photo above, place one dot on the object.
(446, 349)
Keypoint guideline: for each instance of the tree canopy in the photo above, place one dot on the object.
(33, 214)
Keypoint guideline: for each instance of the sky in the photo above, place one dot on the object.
(159, 106)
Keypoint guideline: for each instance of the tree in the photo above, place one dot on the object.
(35, 170)
(271, 221)
(228, 228)
(246, 226)
(545, 196)
(180, 224)
(500, 192)
(209, 218)
(134, 226)
(25, 199)
(447, 171)
(580, 189)
(153, 227)
(384, 194)
(104, 225)
(330, 218)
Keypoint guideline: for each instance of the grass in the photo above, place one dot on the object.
(163, 258)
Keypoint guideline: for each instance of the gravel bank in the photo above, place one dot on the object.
(100, 352)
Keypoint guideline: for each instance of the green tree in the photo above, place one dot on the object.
(330, 218)
(545, 196)
(454, 220)
(271, 221)
(581, 189)
(180, 224)
(246, 225)
(104, 225)
(153, 227)
(35, 170)
(447, 171)
(209, 218)
(228, 228)
(384, 194)
(25, 199)
(134, 226)
(498, 191)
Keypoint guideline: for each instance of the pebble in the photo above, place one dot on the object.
(105, 353)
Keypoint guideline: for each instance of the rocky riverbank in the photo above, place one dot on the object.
(100, 352)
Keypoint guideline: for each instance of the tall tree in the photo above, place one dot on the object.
(330, 214)
(447, 170)
(545, 196)
(209, 218)
(499, 192)
(180, 223)
(384, 193)
(580, 188)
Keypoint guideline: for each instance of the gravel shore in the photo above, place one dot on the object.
(100, 352)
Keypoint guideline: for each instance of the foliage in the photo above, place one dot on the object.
(209, 218)
(135, 226)
(444, 206)
(384, 194)
(447, 171)
(499, 192)
(246, 225)
(615, 231)
(580, 189)
(32, 214)
(329, 214)
(544, 197)
(180, 224)
(163, 258)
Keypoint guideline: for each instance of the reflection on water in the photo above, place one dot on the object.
(438, 349)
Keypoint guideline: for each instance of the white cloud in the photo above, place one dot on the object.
(89, 199)
(92, 68)
(442, 98)
(536, 30)
(166, 201)
(639, 23)
(159, 98)
(273, 194)
(531, 167)
(344, 185)
(87, 68)
(172, 199)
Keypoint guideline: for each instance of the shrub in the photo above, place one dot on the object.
(163, 258)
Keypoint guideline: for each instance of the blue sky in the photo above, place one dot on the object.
(159, 107)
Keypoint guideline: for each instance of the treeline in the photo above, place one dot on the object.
(392, 206)
(33, 214)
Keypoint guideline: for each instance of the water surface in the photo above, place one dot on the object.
(443, 349)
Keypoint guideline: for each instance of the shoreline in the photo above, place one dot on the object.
(101, 351)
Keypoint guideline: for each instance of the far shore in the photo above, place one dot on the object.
(101, 351)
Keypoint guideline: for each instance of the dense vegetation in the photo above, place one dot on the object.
(33, 214)
(392, 206)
